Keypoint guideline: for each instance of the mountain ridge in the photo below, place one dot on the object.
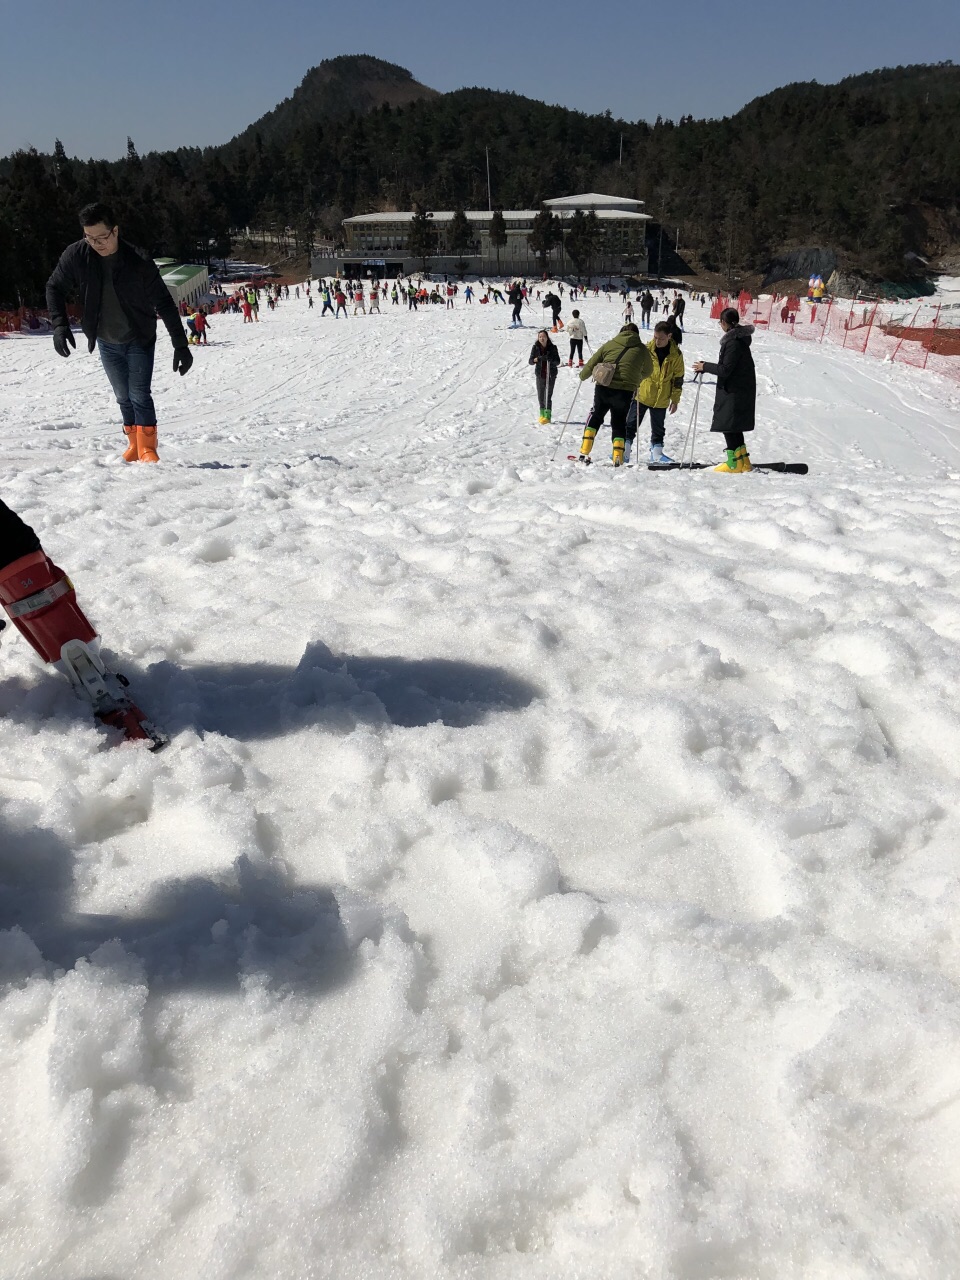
(332, 89)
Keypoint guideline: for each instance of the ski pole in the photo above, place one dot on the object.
(564, 428)
(692, 428)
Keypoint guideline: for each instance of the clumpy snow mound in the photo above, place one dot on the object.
(553, 872)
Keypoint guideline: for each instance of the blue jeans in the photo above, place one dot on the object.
(129, 366)
(658, 418)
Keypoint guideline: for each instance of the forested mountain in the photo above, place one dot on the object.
(869, 167)
(336, 88)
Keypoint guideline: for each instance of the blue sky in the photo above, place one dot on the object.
(170, 74)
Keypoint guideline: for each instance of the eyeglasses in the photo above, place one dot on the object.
(97, 241)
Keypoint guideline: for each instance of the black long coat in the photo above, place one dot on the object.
(735, 406)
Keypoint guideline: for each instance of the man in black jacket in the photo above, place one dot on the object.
(121, 294)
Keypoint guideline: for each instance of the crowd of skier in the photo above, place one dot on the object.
(121, 296)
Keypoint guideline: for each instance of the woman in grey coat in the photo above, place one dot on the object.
(734, 409)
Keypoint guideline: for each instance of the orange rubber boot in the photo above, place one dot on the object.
(147, 439)
(132, 451)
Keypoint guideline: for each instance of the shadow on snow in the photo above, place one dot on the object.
(336, 693)
(198, 933)
(253, 920)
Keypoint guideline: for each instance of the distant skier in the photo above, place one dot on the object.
(576, 331)
(679, 306)
(735, 405)
(545, 358)
(515, 298)
(553, 302)
(632, 364)
(122, 294)
(341, 305)
(646, 306)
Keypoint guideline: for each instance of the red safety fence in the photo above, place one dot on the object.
(30, 320)
(916, 338)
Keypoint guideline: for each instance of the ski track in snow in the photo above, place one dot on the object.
(553, 872)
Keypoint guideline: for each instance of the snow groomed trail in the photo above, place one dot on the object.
(553, 871)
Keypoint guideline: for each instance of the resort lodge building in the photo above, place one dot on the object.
(377, 244)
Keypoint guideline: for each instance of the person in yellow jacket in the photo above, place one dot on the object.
(627, 352)
(659, 393)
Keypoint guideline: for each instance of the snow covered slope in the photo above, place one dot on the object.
(553, 872)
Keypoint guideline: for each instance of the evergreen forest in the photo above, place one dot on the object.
(869, 167)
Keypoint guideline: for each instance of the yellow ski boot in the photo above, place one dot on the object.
(618, 453)
(737, 463)
(586, 444)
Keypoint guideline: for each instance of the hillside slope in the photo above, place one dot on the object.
(338, 86)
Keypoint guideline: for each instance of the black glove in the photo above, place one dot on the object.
(61, 337)
(182, 360)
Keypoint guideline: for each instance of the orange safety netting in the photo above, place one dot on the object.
(30, 320)
(867, 328)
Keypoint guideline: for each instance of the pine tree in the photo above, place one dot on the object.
(582, 239)
(63, 174)
(544, 234)
(498, 233)
(422, 238)
(134, 163)
(459, 237)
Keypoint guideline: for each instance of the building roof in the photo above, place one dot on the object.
(593, 200)
(394, 218)
(179, 273)
(473, 215)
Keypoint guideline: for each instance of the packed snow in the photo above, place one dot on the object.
(553, 872)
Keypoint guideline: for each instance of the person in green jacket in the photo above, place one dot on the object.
(659, 393)
(633, 364)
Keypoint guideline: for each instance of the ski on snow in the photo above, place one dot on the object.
(106, 691)
(788, 468)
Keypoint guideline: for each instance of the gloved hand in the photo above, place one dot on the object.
(61, 336)
(182, 360)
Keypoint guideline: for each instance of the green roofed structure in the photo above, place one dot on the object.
(186, 281)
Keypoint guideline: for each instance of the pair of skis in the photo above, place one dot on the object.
(788, 468)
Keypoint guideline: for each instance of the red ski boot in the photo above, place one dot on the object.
(42, 604)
